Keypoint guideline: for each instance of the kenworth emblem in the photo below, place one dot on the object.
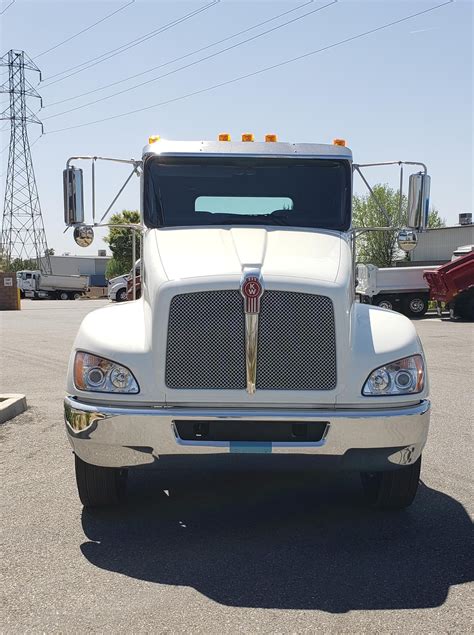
(251, 288)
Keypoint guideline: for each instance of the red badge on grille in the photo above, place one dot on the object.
(252, 290)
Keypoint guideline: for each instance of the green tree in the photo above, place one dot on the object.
(380, 248)
(119, 240)
(18, 264)
(434, 219)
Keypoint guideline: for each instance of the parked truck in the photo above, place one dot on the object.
(120, 287)
(247, 337)
(401, 289)
(117, 288)
(452, 285)
(39, 285)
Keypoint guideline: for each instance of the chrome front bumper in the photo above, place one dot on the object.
(357, 439)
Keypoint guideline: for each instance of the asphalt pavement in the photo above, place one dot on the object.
(227, 550)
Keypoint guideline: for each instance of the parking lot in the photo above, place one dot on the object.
(235, 550)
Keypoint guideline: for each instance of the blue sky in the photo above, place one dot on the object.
(401, 93)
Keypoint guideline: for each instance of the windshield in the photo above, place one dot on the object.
(247, 191)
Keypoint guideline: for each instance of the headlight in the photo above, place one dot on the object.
(404, 377)
(101, 375)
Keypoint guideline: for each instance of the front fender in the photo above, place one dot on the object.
(119, 332)
(377, 337)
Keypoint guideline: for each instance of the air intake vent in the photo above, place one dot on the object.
(206, 342)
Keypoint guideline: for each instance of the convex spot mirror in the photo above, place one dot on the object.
(418, 200)
(73, 188)
(83, 235)
(407, 239)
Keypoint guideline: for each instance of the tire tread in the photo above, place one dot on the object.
(98, 486)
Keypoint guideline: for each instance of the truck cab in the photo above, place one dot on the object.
(26, 281)
(247, 337)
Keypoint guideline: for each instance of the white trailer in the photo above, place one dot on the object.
(398, 288)
(38, 285)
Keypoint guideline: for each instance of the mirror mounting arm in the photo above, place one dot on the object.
(137, 166)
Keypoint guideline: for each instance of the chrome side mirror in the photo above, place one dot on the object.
(418, 200)
(73, 189)
(407, 239)
(83, 235)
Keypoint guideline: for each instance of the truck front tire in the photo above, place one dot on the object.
(415, 306)
(99, 486)
(394, 489)
(464, 305)
(121, 295)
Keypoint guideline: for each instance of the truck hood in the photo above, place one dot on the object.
(203, 252)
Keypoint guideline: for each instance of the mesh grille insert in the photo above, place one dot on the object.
(206, 342)
(296, 342)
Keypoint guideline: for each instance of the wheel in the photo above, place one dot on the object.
(63, 295)
(415, 306)
(99, 486)
(464, 306)
(76, 295)
(395, 489)
(121, 295)
(384, 302)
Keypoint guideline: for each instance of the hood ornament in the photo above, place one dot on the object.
(251, 288)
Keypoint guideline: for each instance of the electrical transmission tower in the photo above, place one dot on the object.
(23, 236)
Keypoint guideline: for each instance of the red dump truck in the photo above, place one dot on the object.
(453, 284)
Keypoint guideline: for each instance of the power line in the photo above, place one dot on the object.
(125, 47)
(203, 59)
(88, 28)
(178, 59)
(260, 71)
(7, 7)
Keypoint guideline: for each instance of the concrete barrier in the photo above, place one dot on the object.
(11, 405)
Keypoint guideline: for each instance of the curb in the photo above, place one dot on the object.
(11, 405)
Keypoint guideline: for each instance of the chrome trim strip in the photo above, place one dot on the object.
(249, 413)
(251, 345)
(251, 289)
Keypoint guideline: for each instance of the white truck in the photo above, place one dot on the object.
(397, 288)
(39, 285)
(117, 288)
(247, 337)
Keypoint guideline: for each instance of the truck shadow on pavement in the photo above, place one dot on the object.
(292, 540)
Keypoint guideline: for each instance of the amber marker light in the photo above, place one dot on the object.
(154, 138)
(271, 138)
(224, 136)
(339, 142)
(247, 136)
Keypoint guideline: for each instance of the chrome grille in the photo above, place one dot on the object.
(206, 342)
(296, 342)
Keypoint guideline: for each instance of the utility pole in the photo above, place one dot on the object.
(23, 236)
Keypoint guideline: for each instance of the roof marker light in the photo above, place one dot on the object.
(271, 138)
(247, 136)
(154, 138)
(224, 136)
(339, 142)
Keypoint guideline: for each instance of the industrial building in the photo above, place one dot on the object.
(92, 266)
(436, 246)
